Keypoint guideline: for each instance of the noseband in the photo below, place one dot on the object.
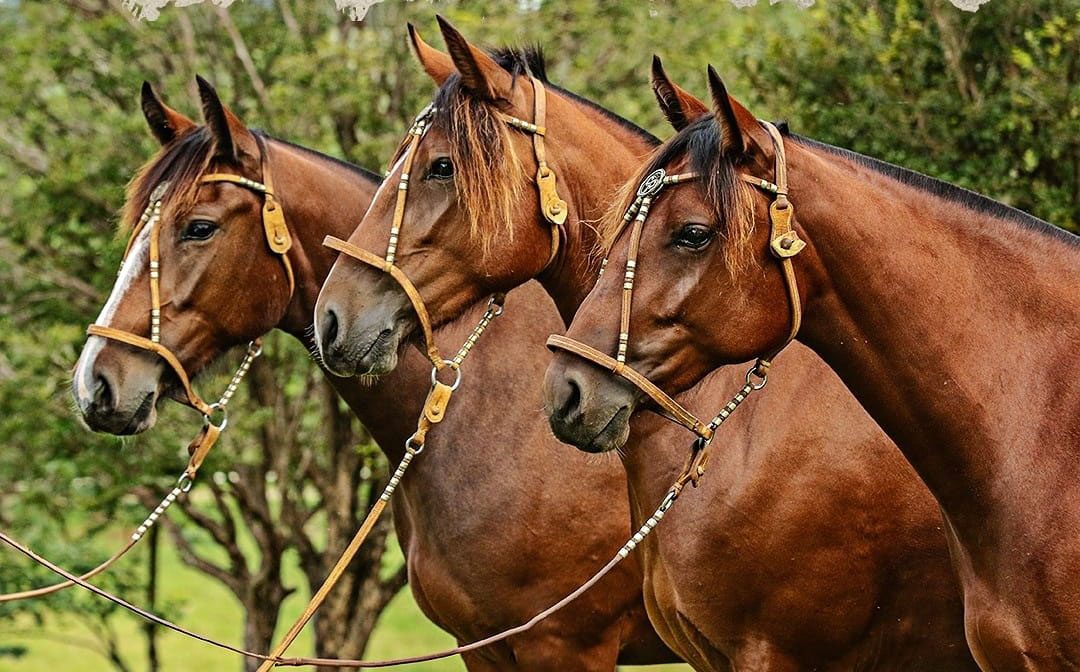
(784, 243)
(553, 208)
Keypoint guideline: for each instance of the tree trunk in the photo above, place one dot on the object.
(262, 604)
(152, 662)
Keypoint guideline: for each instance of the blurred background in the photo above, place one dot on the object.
(989, 100)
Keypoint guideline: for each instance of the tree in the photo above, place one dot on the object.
(987, 100)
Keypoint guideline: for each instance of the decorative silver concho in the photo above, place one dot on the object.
(652, 184)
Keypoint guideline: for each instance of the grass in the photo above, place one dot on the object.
(209, 608)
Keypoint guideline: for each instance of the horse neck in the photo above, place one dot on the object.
(322, 197)
(592, 156)
(951, 325)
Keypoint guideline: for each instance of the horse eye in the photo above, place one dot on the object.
(694, 236)
(198, 229)
(441, 169)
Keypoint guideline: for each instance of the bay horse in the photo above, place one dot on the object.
(953, 319)
(490, 536)
(814, 548)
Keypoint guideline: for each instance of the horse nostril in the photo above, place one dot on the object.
(571, 402)
(330, 330)
(103, 395)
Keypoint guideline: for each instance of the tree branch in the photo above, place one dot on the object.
(242, 53)
(191, 558)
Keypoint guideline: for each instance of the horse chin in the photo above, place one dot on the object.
(378, 363)
(140, 425)
(609, 432)
(138, 420)
(613, 436)
(372, 355)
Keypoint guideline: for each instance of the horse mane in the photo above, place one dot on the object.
(945, 190)
(730, 200)
(489, 175)
(728, 196)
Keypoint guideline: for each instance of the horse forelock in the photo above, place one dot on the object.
(488, 173)
(729, 199)
(180, 163)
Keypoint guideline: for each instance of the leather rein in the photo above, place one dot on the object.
(784, 243)
(554, 209)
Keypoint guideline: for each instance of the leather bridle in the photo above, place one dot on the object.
(554, 210)
(278, 240)
(784, 243)
(439, 395)
(215, 418)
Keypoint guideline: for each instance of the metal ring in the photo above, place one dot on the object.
(185, 482)
(410, 448)
(754, 373)
(498, 307)
(450, 364)
(255, 350)
(215, 408)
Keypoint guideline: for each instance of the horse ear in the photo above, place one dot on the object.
(679, 106)
(480, 74)
(229, 133)
(739, 127)
(436, 64)
(165, 123)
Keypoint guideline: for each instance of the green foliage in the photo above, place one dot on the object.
(989, 101)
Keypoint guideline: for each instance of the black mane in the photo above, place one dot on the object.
(522, 60)
(949, 192)
(700, 143)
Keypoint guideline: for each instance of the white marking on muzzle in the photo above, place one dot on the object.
(135, 265)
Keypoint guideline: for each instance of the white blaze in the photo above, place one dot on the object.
(135, 264)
